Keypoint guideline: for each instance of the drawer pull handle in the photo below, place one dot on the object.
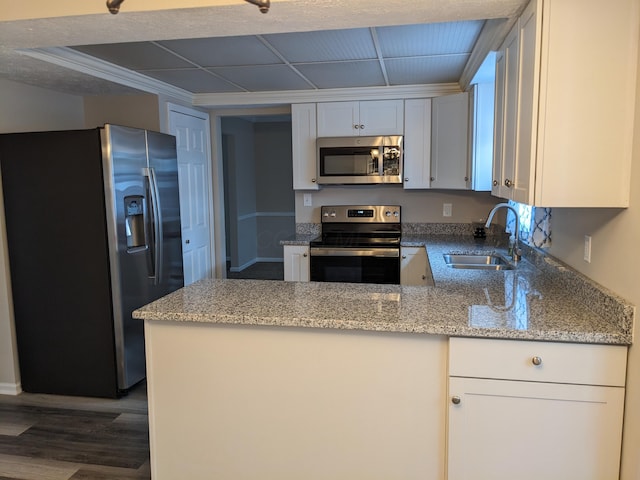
(455, 400)
(536, 360)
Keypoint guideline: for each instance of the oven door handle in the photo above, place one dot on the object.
(354, 252)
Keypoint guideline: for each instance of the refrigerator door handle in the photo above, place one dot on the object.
(156, 245)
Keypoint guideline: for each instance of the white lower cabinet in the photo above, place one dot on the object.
(533, 410)
(296, 263)
(414, 266)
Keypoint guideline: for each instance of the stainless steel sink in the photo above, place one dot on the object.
(477, 261)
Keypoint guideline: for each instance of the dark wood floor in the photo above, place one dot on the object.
(52, 437)
(260, 271)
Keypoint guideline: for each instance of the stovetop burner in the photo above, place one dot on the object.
(359, 226)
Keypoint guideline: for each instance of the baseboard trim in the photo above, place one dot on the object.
(256, 260)
(10, 388)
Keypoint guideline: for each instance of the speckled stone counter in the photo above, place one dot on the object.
(539, 300)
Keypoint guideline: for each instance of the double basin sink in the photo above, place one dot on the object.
(477, 261)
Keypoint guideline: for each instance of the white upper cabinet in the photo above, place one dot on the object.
(450, 142)
(565, 88)
(436, 143)
(303, 148)
(375, 117)
(417, 143)
(482, 97)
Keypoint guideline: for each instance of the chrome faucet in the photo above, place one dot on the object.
(515, 252)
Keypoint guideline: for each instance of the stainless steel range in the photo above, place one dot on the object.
(359, 244)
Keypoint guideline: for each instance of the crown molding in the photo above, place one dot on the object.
(490, 38)
(81, 62)
(325, 95)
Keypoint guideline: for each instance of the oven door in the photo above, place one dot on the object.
(355, 264)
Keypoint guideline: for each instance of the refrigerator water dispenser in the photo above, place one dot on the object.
(134, 223)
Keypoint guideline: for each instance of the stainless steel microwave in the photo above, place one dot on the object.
(359, 160)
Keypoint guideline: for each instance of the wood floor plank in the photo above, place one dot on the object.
(50, 437)
(13, 429)
(25, 468)
(112, 473)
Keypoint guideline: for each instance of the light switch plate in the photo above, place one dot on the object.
(587, 248)
(447, 209)
(308, 200)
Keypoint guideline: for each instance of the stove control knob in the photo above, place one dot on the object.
(325, 214)
(396, 213)
(388, 213)
(333, 214)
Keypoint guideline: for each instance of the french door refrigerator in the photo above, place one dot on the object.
(93, 232)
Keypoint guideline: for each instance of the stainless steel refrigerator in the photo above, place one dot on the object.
(93, 232)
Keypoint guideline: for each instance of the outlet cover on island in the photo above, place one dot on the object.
(308, 200)
(446, 209)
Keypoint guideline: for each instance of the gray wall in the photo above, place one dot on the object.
(240, 191)
(274, 187)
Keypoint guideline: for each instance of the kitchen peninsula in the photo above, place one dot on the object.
(287, 380)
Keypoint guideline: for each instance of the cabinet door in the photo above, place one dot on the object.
(511, 67)
(481, 111)
(529, 27)
(497, 186)
(303, 148)
(417, 143)
(338, 119)
(296, 263)
(526, 430)
(450, 141)
(346, 119)
(414, 266)
(382, 117)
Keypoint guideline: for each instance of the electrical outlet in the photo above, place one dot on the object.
(587, 248)
(447, 209)
(307, 200)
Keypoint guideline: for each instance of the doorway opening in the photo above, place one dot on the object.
(259, 201)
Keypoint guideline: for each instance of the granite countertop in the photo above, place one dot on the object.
(541, 299)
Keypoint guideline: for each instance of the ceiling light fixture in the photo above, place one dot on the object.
(114, 5)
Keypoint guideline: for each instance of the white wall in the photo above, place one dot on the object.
(31, 109)
(139, 111)
(615, 263)
(418, 206)
(24, 109)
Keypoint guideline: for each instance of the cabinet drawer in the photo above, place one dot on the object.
(584, 364)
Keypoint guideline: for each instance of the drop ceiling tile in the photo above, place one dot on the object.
(193, 80)
(419, 70)
(343, 74)
(263, 78)
(134, 55)
(324, 46)
(429, 39)
(223, 51)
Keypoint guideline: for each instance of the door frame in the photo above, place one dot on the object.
(181, 109)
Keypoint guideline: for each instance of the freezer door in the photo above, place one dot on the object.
(163, 173)
(130, 244)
